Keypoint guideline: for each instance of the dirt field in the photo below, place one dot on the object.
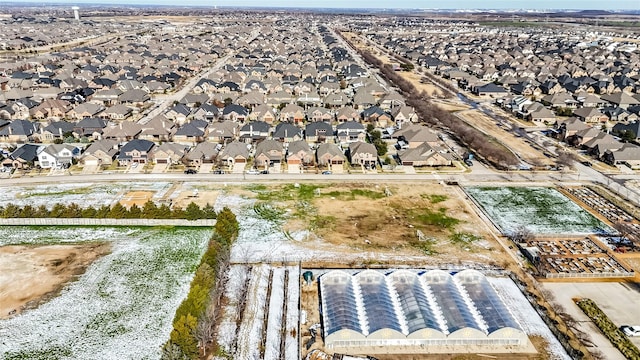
(136, 197)
(361, 218)
(31, 275)
(523, 149)
(200, 197)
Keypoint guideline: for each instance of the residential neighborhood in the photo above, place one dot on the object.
(320, 181)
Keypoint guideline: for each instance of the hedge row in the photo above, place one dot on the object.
(610, 330)
(193, 321)
(148, 211)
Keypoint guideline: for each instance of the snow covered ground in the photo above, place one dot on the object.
(250, 331)
(541, 210)
(291, 345)
(86, 194)
(526, 315)
(121, 308)
(244, 342)
(274, 321)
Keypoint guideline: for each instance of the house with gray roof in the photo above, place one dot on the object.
(269, 155)
(135, 151)
(363, 154)
(330, 156)
(202, 153)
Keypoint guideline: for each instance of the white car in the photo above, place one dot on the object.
(253, 172)
(631, 330)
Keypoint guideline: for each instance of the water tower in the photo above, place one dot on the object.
(75, 13)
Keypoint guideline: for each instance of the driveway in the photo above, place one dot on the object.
(205, 168)
(135, 168)
(90, 169)
(238, 168)
(159, 168)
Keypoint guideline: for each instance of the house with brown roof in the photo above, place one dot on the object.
(158, 129)
(590, 115)
(117, 112)
(122, 131)
(85, 110)
(50, 108)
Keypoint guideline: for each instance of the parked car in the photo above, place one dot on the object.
(326, 172)
(218, 172)
(587, 163)
(191, 171)
(631, 330)
(253, 172)
(264, 172)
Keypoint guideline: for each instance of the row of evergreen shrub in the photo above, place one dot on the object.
(195, 317)
(609, 329)
(148, 211)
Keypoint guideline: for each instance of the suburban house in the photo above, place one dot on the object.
(90, 128)
(424, 155)
(135, 151)
(318, 132)
(235, 113)
(490, 90)
(85, 110)
(23, 157)
(269, 155)
(292, 113)
(158, 129)
(287, 132)
(223, 132)
(415, 135)
(57, 155)
(350, 131)
(299, 153)
(633, 127)
(202, 153)
(193, 132)
(234, 152)
(19, 131)
(122, 131)
(330, 156)
(117, 112)
(254, 131)
(55, 130)
(168, 153)
(628, 154)
(100, 152)
(363, 154)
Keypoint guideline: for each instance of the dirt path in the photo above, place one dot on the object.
(31, 275)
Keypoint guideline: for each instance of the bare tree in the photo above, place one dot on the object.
(566, 159)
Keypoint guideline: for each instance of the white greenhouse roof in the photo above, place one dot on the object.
(409, 305)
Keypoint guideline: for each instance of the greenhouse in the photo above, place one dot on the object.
(407, 309)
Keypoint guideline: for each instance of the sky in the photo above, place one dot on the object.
(429, 4)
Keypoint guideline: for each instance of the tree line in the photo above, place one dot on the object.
(430, 113)
(118, 211)
(195, 318)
